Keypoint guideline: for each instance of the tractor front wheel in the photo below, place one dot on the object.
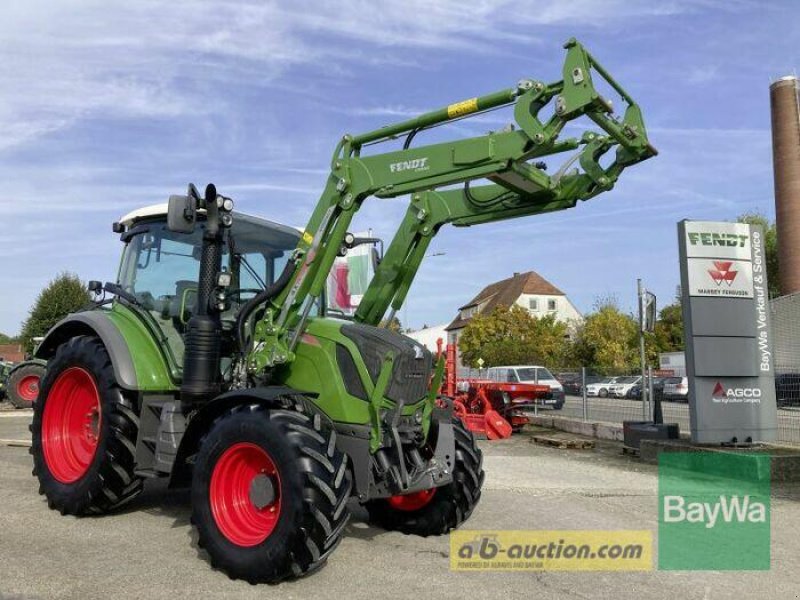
(269, 493)
(84, 432)
(438, 510)
(23, 385)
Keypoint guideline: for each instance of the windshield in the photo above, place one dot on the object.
(627, 380)
(158, 263)
(534, 374)
(161, 269)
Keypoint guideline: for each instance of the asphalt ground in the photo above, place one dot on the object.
(148, 549)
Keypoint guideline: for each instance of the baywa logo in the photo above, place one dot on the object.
(723, 271)
(417, 164)
(735, 394)
(714, 511)
(705, 238)
(731, 509)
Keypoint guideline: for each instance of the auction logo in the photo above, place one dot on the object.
(722, 271)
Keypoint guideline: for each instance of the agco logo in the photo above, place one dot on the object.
(722, 271)
(417, 164)
(743, 394)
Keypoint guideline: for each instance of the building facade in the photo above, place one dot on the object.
(529, 290)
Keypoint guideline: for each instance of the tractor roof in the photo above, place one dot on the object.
(249, 221)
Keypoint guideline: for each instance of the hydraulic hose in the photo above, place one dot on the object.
(251, 305)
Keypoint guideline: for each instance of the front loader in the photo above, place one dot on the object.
(211, 360)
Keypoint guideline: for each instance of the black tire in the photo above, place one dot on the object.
(14, 380)
(603, 393)
(109, 480)
(450, 506)
(314, 486)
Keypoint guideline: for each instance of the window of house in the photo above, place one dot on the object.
(533, 304)
(551, 304)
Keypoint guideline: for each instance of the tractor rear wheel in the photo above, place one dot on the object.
(84, 432)
(438, 510)
(23, 385)
(269, 493)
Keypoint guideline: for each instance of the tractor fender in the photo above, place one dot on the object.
(93, 322)
(202, 419)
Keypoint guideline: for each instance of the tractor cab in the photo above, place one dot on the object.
(160, 268)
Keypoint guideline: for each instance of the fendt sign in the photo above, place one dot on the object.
(728, 340)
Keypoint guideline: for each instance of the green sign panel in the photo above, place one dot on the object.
(714, 511)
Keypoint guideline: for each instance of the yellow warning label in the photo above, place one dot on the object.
(462, 108)
(307, 237)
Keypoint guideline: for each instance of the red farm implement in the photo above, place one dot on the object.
(486, 407)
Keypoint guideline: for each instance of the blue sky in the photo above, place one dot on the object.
(106, 106)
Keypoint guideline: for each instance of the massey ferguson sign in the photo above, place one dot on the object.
(720, 278)
(728, 338)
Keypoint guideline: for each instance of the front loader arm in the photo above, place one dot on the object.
(519, 186)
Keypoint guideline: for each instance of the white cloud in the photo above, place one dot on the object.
(63, 61)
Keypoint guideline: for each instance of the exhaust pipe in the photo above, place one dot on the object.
(201, 361)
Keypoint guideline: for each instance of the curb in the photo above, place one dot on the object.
(600, 430)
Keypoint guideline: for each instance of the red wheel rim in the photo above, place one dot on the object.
(71, 425)
(28, 388)
(412, 501)
(245, 494)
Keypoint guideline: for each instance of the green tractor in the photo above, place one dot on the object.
(212, 361)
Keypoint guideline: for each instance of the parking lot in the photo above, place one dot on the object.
(615, 410)
(147, 550)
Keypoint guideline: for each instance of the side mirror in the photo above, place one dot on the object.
(95, 287)
(181, 214)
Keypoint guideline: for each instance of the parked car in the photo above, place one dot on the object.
(531, 374)
(600, 388)
(622, 386)
(787, 389)
(676, 389)
(635, 393)
(571, 382)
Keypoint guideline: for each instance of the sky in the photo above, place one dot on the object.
(106, 106)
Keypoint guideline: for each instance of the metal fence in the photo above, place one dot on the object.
(618, 398)
(606, 402)
(785, 317)
(675, 409)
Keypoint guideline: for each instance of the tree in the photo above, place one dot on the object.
(668, 334)
(511, 336)
(63, 295)
(770, 249)
(6, 339)
(393, 325)
(607, 341)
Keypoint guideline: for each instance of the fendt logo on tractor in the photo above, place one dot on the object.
(417, 164)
